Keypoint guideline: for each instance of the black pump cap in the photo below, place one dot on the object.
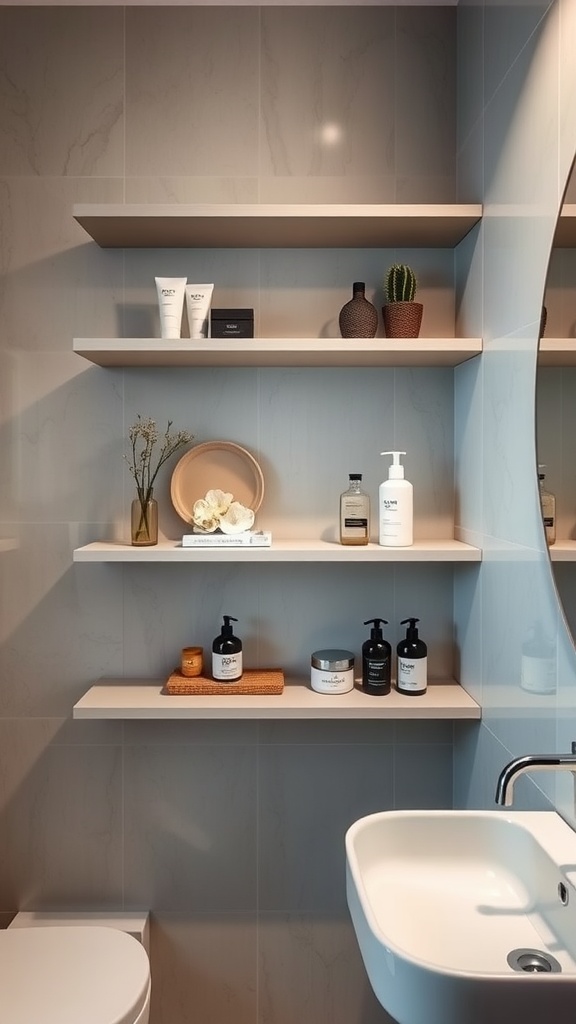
(376, 631)
(227, 628)
(411, 632)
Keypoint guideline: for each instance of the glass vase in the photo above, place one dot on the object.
(144, 522)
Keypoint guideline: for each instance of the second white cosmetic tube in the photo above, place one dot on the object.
(171, 303)
(198, 301)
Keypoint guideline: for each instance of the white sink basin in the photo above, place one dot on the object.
(440, 899)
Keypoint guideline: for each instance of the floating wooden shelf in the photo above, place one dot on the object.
(281, 551)
(565, 235)
(278, 352)
(563, 551)
(277, 225)
(557, 352)
(140, 698)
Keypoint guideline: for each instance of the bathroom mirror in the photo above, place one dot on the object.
(556, 402)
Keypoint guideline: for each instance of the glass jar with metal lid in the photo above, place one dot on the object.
(332, 671)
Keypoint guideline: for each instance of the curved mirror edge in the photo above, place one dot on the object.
(556, 407)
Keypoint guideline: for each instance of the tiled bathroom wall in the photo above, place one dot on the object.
(523, 88)
(230, 832)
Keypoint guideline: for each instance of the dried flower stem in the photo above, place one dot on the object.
(143, 437)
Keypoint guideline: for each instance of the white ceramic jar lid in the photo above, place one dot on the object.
(92, 975)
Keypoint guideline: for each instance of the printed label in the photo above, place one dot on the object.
(227, 667)
(412, 674)
(324, 681)
(377, 670)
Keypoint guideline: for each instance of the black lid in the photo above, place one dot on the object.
(354, 476)
(358, 286)
(232, 314)
(227, 628)
(411, 632)
(376, 631)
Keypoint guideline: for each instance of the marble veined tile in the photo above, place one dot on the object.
(425, 90)
(205, 968)
(192, 91)
(327, 92)
(57, 284)
(61, 625)
(306, 188)
(190, 827)
(192, 189)
(301, 853)
(63, 105)
(60, 842)
(311, 969)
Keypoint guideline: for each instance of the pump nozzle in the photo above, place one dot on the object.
(412, 631)
(227, 628)
(396, 470)
(376, 631)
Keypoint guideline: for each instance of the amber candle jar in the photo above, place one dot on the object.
(191, 663)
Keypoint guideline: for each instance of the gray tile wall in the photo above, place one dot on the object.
(520, 85)
(231, 832)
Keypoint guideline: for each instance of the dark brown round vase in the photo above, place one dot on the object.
(358, 317)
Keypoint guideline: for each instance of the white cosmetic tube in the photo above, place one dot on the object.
(171, 303)
(198, 301)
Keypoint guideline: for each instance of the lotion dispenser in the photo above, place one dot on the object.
(395, 501)
(412, 653)
(227, 654)
(376, 661)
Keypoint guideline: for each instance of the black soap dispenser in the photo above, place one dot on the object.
(412, 653)
(227, 654)
(376, 661)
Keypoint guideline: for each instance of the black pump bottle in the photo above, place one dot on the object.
(376, 661)
(227, 654)
(412, 677)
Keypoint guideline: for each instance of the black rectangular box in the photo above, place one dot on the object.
(232, 323)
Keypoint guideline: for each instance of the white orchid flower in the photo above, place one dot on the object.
(204, 516)
(219, 501)
(237, 519)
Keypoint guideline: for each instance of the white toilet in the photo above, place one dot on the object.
(73, 975)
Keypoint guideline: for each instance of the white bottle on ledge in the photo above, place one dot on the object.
(396, 506)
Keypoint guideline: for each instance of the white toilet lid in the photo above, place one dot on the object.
(78, 975)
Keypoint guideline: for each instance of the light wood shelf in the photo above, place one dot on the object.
(277, 225)
(565, 234)
(141, 698)
(563, 551)
(557, 352)
(281, 551)
(278, 352)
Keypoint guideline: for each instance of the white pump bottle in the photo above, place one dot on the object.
(396, 507)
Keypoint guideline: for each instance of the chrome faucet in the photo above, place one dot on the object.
(531, 763)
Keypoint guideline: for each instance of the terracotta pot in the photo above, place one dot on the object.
(402, 319)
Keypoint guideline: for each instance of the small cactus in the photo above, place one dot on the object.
(400, 283)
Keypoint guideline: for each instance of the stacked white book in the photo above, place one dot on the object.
(247, 539)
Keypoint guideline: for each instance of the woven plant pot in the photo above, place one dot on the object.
(402, 319)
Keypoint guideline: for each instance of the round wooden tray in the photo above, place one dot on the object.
(216, 464)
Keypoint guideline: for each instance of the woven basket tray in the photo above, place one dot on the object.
(253, 681)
